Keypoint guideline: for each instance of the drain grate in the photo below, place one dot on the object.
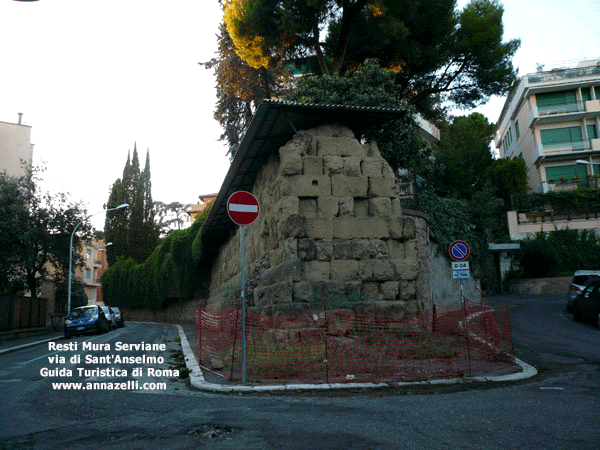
(211, 431)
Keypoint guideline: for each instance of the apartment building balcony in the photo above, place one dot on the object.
(568, 149)
(563, 112)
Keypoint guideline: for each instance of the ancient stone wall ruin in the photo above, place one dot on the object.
(330, 224)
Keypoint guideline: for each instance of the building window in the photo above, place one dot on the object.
(88, 273)
(565, 174)
(88, 253)
(556, 102)
(592, 132)
(557, 137)
(517, 129)
(585, 94)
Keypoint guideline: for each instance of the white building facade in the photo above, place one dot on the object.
(15, 147)
(551, 120)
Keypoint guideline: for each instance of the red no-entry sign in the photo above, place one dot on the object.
(242, 207)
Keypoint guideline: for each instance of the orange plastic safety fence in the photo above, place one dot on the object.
(335, 346)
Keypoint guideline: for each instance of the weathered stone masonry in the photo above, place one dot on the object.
(330, 223)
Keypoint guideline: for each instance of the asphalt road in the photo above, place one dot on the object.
(556, 410)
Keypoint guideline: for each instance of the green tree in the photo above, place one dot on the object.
(35, 232)
(371, 85)
(133, 232)
(438, 53)
(508, 177)
(171, 216)
(239, 88)
(463, 155)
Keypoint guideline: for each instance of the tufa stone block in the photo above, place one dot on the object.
(352, 166)
(351, 249)
(344, 270)
(380, 207)
(371, 150)
(319, 228)
(368, 291)
(342, 186)
(308, 206)
(382, 187)
(333, 164)
(312, 165)
(273, 294)
(403, 228)
(290, 161)
(327, 207)
(316, 270)
(333, 129)
(361, 207)
(290, 270)
(376, 270)
(372, 167)
(339, 146)
(287, 206)
(361, 227)
(406, 269)
(389, 290)
(346, 206)
(324, 248)
(307, 249)
(305, 186)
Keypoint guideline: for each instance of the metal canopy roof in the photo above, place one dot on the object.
(274, 124)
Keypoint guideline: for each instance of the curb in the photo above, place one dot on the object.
(198, 381)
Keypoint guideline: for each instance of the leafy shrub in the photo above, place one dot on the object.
(170, 273)
(560, 252)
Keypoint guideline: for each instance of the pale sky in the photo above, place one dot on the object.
(93, 77)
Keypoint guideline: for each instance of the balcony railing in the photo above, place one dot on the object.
(561, 74)
(560, 108)
(575, 146)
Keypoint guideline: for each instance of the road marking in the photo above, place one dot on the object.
(49, 354)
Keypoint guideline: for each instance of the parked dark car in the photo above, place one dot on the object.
(118, 316)
(587, 304)
(85, 320)
(581, 279)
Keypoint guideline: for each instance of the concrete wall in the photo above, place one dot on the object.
(331, 223)
(182, 312)
(544, 286)
(444, 289)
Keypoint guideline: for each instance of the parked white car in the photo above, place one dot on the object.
(581, 279)
(110, 316)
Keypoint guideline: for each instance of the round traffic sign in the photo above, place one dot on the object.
(459, 251)
(242, 207)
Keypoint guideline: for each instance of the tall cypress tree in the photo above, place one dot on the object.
(133, 234)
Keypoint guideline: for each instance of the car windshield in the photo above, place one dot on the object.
(581, 280)
(82, 312)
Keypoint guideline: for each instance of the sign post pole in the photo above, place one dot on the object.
(460, 252)
(243, 209)
(243, 246)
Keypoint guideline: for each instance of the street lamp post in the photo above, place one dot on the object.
(123, 206)
(581, 161)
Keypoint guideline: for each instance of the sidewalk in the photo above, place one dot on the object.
(199, 381)
(207, 381)
(14, 340)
